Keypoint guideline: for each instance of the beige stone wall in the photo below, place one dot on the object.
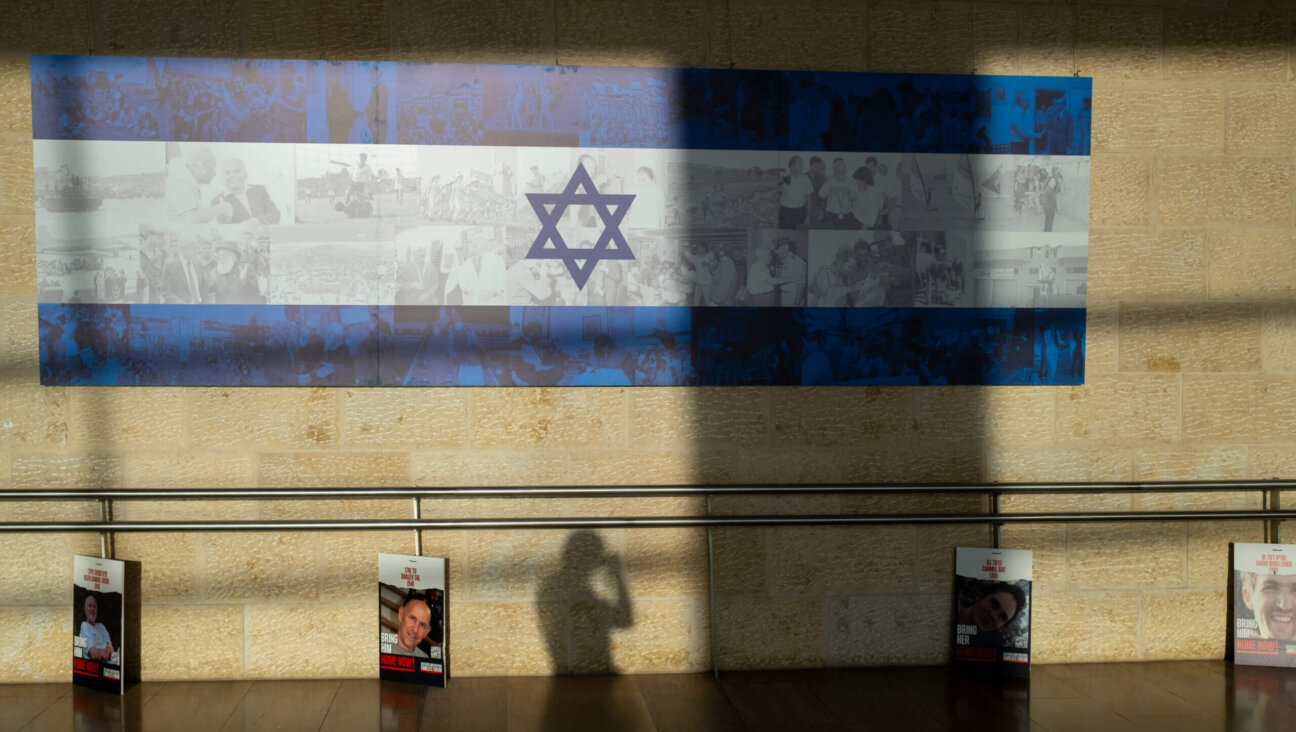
(1192, 354)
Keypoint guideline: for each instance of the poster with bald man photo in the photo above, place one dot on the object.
(992, 590)
(105, 620)
(412, 619)
(1264, 604)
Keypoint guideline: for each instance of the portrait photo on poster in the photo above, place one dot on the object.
(999, 611)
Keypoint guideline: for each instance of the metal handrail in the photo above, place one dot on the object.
(639, 491)
(640, 521)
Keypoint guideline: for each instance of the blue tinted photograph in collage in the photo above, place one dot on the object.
(185, 345)
(727, 109)
(353, 102)
(602, 346)
(84, 344)
(930, 346)
(97, 98)
(937, 113)
(746, 346)
(421, 345)
(321, 345)
(623, 107)
(1037, 115)
(433, 104)
(534, 106)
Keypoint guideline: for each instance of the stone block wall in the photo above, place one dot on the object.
(1191, 374)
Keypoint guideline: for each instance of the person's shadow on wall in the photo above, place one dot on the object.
(593, 601)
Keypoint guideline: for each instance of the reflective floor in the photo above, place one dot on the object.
(1178, 696)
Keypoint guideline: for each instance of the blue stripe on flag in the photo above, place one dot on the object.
(292, 101)
(276, 345)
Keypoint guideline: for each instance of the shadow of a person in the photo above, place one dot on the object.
(578, 629)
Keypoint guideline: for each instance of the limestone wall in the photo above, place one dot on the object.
(1191, 374)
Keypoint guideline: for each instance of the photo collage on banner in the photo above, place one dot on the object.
(236, 222)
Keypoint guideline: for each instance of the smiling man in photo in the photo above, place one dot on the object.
(414, 620)
(1272, 597)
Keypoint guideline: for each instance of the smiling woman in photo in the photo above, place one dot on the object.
(990, 605)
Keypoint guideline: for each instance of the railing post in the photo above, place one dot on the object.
(996, 527)
(1273, 528)
(711, 592)
(418, 535)
(106, 549)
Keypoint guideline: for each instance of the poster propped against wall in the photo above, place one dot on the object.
(992, 589)
(412, 619)
(1264, 604)
(105, 621)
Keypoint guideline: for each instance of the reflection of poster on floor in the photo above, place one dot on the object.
(1264, 604)
(412, 619)
(992, 589)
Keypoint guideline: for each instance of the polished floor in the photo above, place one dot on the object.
(1171, 696)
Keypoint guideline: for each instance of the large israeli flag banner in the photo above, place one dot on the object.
(256, 222)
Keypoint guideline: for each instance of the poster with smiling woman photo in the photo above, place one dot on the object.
(412, 619)
(1264, 604)
(992, 590)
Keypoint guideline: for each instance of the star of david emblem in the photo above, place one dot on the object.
(550, 207)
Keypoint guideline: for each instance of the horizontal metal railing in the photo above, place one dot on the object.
(1269, 489)
(639, 491)
(659, 522)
